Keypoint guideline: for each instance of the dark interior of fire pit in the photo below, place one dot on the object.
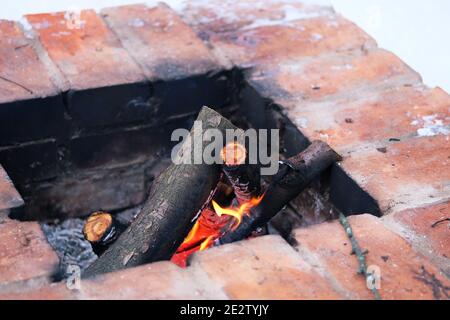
(106, 157)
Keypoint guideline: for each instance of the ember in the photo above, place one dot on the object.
(215, 222)
(210, 226)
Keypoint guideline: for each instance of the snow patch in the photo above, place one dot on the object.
(346, 66)
(290, 14)
(25, 24)
(333, 23)
(27, 28)
(316, 37)
(324, 136)
(61, 33)
(284, 13)
(136, 22)
(431, 126)
(42, 25)
(302, 122)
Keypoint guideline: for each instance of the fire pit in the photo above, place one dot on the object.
(108, 161)
(100, 111)
(230, 204)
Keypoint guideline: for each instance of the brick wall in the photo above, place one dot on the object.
(319, 70)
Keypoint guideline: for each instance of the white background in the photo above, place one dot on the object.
(418, 31)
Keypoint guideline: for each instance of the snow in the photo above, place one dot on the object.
(137, 23)
(431, 126)
(415, 30)
(316, 37)
(302, 122)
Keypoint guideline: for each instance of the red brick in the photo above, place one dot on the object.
(263, 268)
(410, 174)
(399, 264)
(378, 117)
(24, 253)
(54, 291)
(266, 42)
(88, 54)
(24, 80)
(420, 227)
(9, 197)
(157, 38)
(161, 280)
(303, 38)
(23, 76)
(294, 83)
(218, 16)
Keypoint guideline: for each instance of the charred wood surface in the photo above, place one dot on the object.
(294, 175)
(177, 197)
(244, 177)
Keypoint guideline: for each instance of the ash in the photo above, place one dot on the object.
(68, 241)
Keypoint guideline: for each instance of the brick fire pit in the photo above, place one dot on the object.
(88, 103)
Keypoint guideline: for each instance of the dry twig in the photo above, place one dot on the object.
(360, 254)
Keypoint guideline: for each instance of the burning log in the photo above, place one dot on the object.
(177, 198)
(244, 178)
(207, 228)
(293, 176)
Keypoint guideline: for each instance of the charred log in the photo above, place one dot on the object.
(293, 176)
(177, 198)
(207, 227)
(244, 178)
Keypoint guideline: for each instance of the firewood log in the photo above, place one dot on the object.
(177, 197)
(244, 177)
(293, 176)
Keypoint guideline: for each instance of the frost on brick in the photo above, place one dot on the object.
(432, 125)
(250, 14)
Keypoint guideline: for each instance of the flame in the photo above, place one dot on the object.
(209, 227)
(192, 233)
(205, 244)
(238, 212)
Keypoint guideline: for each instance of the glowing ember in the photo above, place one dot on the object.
(205, 244)
(210, 226)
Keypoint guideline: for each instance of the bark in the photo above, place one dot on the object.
(177, 197)
(245, 179)
(293, 176)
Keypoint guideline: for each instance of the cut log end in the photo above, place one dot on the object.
(244, 177)
(98, 226)
(233, 154)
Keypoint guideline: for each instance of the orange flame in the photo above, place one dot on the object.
(192, 233)
(205, 244)
(208, 228)
(238, 212)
